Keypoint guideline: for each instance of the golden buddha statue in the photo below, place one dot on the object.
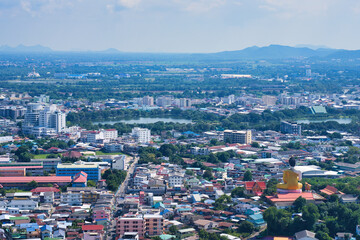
(291, 178)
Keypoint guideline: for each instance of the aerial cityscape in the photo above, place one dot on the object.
(180, 120)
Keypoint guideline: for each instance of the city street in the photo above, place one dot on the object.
(120, 193)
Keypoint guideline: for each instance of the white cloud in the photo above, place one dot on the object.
(129, 3)
(201, 5)
(34, 7)
(291, 8)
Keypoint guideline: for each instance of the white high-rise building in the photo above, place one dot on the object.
(148, 101)
(269, 100)
(32, 113)
(185, 102)
(110, 134)
(44, 120)
(164, 101)
(143, 135)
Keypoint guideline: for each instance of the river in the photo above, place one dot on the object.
(339, 120)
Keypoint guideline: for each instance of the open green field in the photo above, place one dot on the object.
(40, 156)
(104, 153)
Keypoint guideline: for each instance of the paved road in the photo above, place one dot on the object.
(110, 230)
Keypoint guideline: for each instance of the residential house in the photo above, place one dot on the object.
(305, 235)
(205, 224)
(344, 236)
(257, 219)
(46, 231)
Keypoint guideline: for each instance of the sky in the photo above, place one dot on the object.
(179, 25)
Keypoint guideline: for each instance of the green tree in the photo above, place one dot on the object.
(334, 198)
(223, 156)
(114, 178)
(33, 184)
(208, 175)
(255, 144)
(299, 203)
(246, 227)
(23, 154)
(278, 221)
(247, 176)
(310, 214)
(238, 192)
(322, 236)
(91, 183)
(222, 202)
(271, 187)
(168, 149)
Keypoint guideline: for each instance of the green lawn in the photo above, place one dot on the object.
(104, 153)
(40, 156)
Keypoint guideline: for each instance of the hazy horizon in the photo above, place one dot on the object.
(178, 26)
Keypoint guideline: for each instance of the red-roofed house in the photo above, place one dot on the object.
(189, 161)
(207, 164)
(54, 150)
(37, 191)
(93, 232)
(45, 189)
(80, 179)
(255, 188)
(330, 190)
(92, 228)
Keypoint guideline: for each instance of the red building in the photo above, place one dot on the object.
(255, 188)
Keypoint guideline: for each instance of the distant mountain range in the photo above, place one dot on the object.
(285, 52)
(25, 49)
(250, 53)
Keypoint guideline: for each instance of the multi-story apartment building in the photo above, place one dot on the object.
(130, 224)
(113, 147)
(164, 101)
(243, 137)
(148, 101)
(290, 128)
(185, 102)
(110, 134)
(94, 136)
(101, 136)
(154, 225)
(175, 180)
(119, 162)
(92, 169)
(146, 225)
(12, 111)
(269, 100)
(100, 213)
(143, 135)
(71, 198)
